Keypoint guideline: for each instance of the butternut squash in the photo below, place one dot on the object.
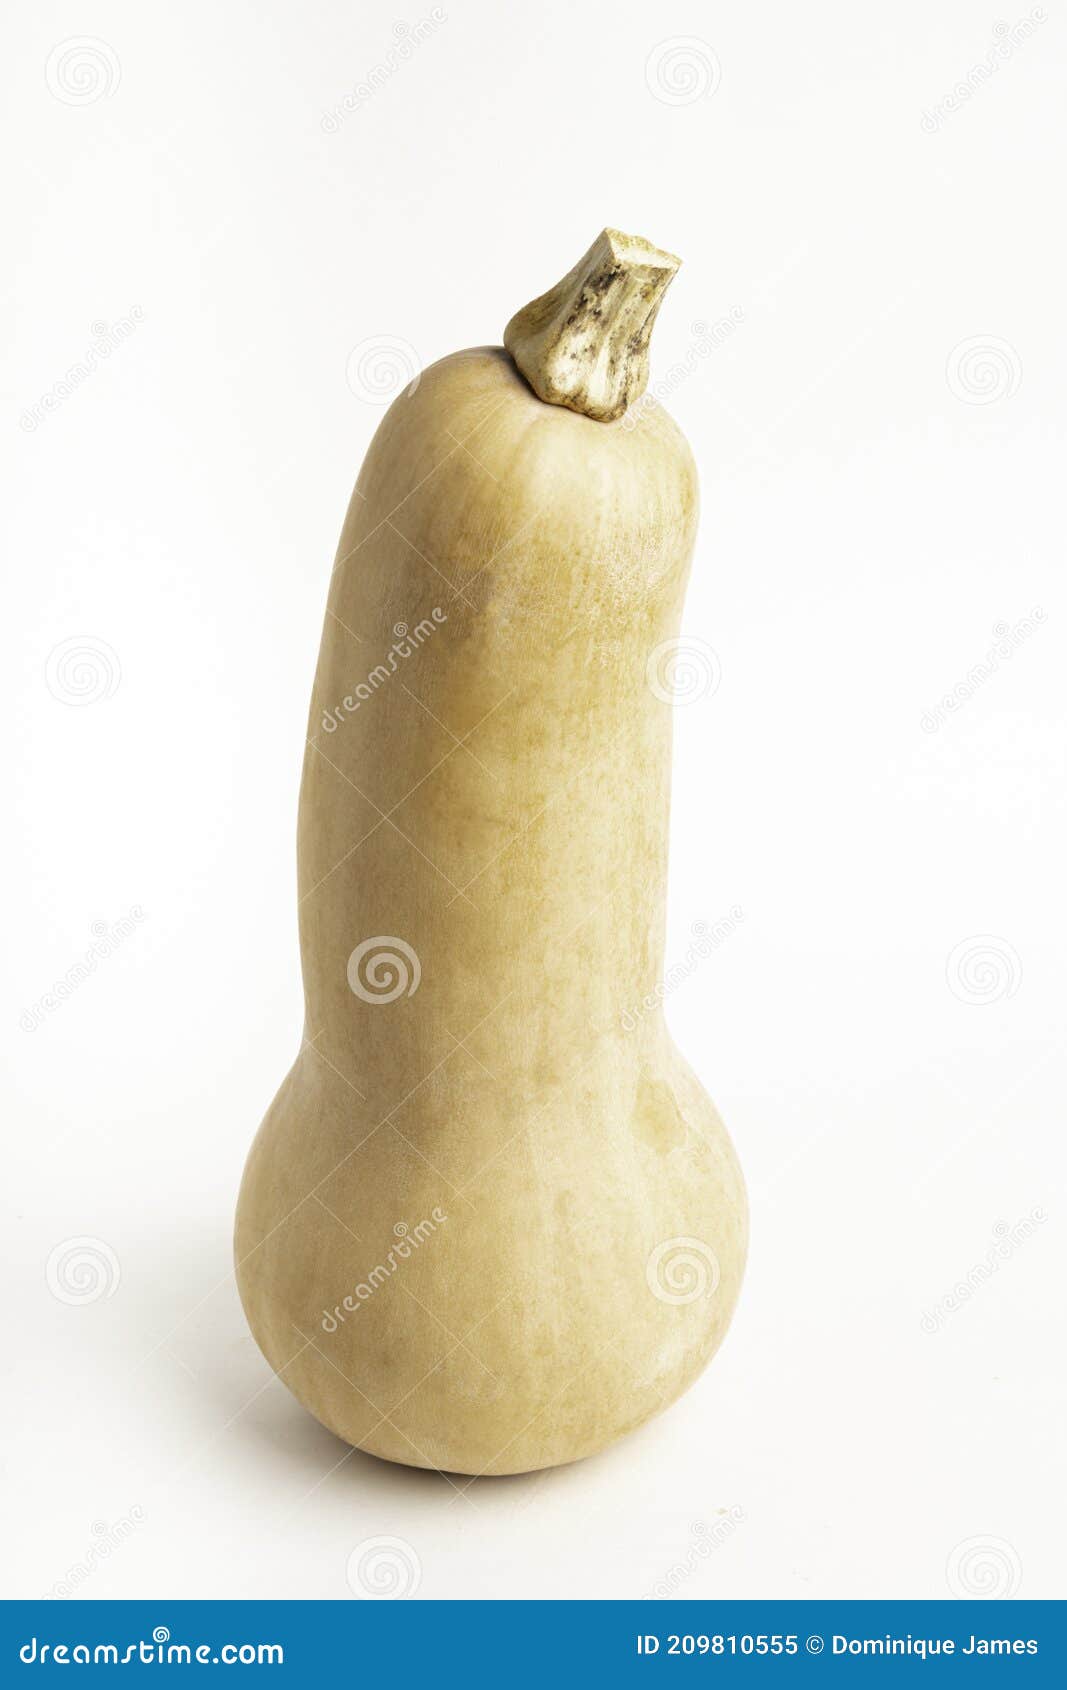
(491, 1221)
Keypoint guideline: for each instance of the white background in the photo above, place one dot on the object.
(878, 496)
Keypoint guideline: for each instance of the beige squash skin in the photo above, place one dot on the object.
(500, 804)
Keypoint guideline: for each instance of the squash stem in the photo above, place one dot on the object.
(584, 343)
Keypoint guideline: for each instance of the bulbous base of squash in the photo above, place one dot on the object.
(497, 1314)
